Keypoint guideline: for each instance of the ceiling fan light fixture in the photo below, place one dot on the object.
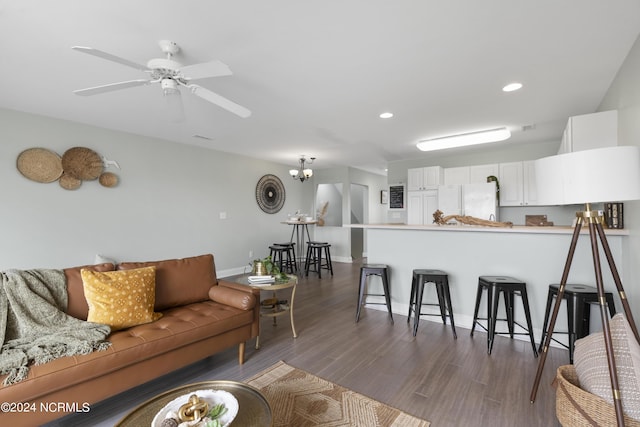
(464, 139)
(169, 87)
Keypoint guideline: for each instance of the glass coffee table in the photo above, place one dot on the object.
(277, 310)
(254, 410)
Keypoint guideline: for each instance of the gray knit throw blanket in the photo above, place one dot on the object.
(34, 327)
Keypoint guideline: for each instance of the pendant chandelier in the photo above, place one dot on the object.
(302, 173)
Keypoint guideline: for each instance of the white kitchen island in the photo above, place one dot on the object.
(536, 255)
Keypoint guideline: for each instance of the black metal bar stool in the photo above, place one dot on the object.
(382, 271)
(290, 265)
(279, 256)
(579, 299)
(314, 258)
(441, 281)
(509, 287)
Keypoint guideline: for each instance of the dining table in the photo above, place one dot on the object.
(300, 235)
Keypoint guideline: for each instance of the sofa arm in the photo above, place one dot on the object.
(233, 297)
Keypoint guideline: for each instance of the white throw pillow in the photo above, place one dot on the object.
(590, 360)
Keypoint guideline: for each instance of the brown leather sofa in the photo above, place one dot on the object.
(201, 316)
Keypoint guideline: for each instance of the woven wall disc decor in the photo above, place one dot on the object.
(39, 165)
(69, 183)
(108, 179)
(270, 194)
(82, 163)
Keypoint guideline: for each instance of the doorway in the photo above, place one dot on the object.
(359, 200)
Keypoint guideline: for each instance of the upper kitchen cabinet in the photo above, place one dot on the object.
(424, 178)
(456, 176)
(589, 131)
(518, 184)
(478, 174)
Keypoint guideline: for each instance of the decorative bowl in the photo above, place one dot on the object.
(212, 397)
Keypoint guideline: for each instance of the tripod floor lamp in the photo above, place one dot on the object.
(587, 177)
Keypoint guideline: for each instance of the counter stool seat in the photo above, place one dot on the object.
(281, 256)
(509, 287)
(314, 261)
(441, 281)
(290, 248)
(382, 271)
(578, 299)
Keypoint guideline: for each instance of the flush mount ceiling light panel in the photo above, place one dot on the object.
(464, 139)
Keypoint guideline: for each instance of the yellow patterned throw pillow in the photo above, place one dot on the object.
(121, 299)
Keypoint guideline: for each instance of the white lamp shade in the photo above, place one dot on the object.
(591, 176)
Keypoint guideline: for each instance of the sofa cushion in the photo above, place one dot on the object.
(180, 281)
(179, 327)
(77, 303)
(592, 367)
(121, 299)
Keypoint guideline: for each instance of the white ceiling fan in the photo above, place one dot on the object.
(171, 75)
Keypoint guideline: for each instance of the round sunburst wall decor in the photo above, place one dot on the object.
(270, 194)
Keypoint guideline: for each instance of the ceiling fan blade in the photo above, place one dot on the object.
(206, 69)
(111, 87)
(110, 57)
(219, 100)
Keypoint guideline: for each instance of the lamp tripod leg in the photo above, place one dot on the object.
(608, 342)
(556, 309)
(617, 281)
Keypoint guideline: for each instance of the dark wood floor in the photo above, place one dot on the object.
(445, 381)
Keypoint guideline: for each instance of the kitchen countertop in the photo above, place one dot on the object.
(486, 229)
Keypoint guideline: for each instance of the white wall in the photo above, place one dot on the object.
(624, 96)
(339, 237)
(167, 205)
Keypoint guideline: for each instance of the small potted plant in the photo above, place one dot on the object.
(266, 267)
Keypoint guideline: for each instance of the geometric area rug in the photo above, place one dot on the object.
(300, 399)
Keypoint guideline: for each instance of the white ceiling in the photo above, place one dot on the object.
(316, 74)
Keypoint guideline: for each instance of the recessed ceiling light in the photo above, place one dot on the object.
(386, 115)
(511, 87)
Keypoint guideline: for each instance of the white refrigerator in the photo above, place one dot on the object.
(480, 200)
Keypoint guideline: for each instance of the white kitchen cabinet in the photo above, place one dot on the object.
(518, 184)
(530, 189)
(424, 178)
(450, 199)
(420, 206)
(478, 174)
(589, 131)
(456, 176)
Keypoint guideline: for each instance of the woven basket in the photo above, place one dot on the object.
(576, 407)
(82, 163)
(40, 165)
